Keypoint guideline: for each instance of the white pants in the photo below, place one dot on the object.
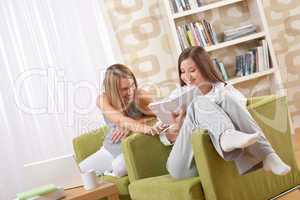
(205, 114)
(103, 161)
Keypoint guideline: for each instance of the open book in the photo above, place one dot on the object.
(163, 109)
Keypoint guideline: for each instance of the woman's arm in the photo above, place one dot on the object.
(143, 99)
(119, 119)
(173, 131)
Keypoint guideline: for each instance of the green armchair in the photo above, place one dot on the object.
(87, 144)
(146, 157)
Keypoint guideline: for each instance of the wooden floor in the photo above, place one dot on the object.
(296, 140)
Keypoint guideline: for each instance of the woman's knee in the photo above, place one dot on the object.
(119, 167)
(99, 161)
(177, 173)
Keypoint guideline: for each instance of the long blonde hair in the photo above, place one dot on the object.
(111, 83)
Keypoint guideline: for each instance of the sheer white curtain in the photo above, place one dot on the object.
(52, 54)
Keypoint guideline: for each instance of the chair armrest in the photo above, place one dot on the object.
(272, 117)
(88, 143)
(257, 100)
(145, 156)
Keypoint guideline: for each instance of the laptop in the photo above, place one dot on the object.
(61, 171)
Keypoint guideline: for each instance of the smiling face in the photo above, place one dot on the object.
(127, 90)
(196, 68)
(190, 73)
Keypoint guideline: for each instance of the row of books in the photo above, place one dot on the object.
(199, 33)
(46, 192)
(183, 5)
(255, 60)
(239, 32)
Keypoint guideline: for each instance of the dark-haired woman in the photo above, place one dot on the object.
(222, 111)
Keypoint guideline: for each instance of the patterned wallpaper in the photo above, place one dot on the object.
(140, 29)
(283, 18)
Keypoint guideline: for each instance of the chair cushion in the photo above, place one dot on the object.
(165, 187)
(121, 182)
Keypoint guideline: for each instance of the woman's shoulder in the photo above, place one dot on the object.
(235, 93)
(101, 99)
(179, 90)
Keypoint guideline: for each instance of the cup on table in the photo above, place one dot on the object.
(89, 180)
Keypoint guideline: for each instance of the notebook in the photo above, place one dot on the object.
(183, 97)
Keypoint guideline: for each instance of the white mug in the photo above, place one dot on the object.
(89, 180)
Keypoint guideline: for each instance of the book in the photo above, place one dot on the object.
(163, 109)
(183, 5)
(250, 62)
(55, 195)
(174, 6)
(266, 54)
(220, 68)
(260, 59)
(190, 35)
(196, 38)
(239, 32)
(39, 191)
(223, 70)
(199, 33)
(199, 2)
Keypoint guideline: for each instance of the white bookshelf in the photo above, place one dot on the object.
(257, 17)
(204, 8)
(235, 41)
(251, 76)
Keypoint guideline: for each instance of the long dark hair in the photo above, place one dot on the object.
(203, 62)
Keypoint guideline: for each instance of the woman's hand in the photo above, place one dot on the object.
(160, 126)
(119, 134)
(179, 117)
(173, 131)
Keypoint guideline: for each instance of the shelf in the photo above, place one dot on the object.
(235, 41)
(205, 8)
(251, 76)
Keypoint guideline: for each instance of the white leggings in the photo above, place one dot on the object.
(102, 161)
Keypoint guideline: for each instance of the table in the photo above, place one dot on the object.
(105, 189)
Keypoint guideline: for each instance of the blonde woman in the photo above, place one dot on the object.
(124, 107)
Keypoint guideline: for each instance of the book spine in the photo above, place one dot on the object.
(216, 66)
(198, 35)
(180, 38)
(179, 5)
(223, 71)
(174, 6)
(193, 4)
(253, 61)
(182, 3)
(209, 31)
(260, 61)
(266, 54)
(201, 33)
(195, 36)
(199, 3)
(189, 35)
(183, 36)
(213, 34)
(209, 42)
(187, 4)
(238, 64)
